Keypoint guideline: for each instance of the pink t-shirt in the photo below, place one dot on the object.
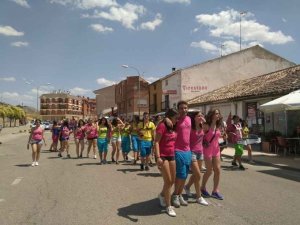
(167, 141)
(183, 130)
(65, 132)
(196, 139)
(79, 133)
(91, 131)
(213, 150)
(234, 133)
(37, 134)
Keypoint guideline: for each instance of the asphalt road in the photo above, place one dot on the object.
(80, 191)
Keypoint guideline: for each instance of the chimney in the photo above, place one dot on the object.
(173, 69)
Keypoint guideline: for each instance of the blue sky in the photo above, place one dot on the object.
(80, 45)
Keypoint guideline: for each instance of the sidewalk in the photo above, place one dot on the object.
(9, 132)
(290, 162)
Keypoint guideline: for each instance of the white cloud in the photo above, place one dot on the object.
(10, 31)
(22, 3)
(20, 44)
(178, 1)
(151, 25)
(126, 15)
(151, 79)
(87, 4)
(17, 98)
(8, 79)
(104, 82)
(79, 91)
(100, 28)
(206, 46)
(227, 23)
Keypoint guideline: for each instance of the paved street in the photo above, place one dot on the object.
(80, 191)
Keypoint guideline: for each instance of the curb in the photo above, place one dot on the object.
(264, 163)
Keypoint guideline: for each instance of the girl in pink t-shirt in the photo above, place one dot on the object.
(196, 139)
(79, 137)
(164, 146)
(211, 150)
(35, 139)
(91, 131)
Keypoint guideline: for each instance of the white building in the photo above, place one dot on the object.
(195, 80)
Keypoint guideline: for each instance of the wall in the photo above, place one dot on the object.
(105, 99)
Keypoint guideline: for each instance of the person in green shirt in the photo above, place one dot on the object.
(135, 142)
(125, 145)
(102, 141)
(146, 130)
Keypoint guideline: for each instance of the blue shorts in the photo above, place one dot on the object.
(102, 144)
(135, 143)
(197, 156)
(183, 162)
(146, 147)
(125, 145)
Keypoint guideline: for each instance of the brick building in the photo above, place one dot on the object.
(60, 105)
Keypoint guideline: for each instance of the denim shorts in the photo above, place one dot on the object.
(135, 143)
(197, 156)
(146, 147)
(183, 162)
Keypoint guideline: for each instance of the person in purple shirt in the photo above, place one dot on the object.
(182, 153)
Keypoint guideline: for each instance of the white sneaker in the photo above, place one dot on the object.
(161, 200)
(170, 211)
(182, 201)
(187, 191)
(95, 157)
(202, 201)
(33, 164)
(36, 163)
(175, 201)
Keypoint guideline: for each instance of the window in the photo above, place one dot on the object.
(166, 82)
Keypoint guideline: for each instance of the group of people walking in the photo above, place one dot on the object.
(180, 142)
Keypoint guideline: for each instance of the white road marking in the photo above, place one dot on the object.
(17, 180)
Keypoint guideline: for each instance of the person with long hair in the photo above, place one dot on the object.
(36, 139)
(196, 139)
(125, 145)
(117, 126)
(146, 135)
(212, 155)
(91, 136)
(245, 133)
(55, 136)
(135, 138)
(183, 155)
(65, 136)
(103, 137)
(164, 147)
(79, 136)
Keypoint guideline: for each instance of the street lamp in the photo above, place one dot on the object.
(37, 92)
(241, 14)
(139, 87)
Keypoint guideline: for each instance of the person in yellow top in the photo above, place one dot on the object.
(245, 134)
(117, 126)
(146, 130)
(125, 145)
(135, 142)
(102, 142)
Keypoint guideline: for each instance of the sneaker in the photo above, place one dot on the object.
(175, 201)
(170, 211)
(234, 163)
(202, 201)
(68, 156)
(187, 191)
(161, 200)
(205, 193)
(241, 167)
(142, 167)
(104, 161)
(95, 157)
(36, 163)
(182, 201)
(217, 195)
(147, 168)
(33, 164)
